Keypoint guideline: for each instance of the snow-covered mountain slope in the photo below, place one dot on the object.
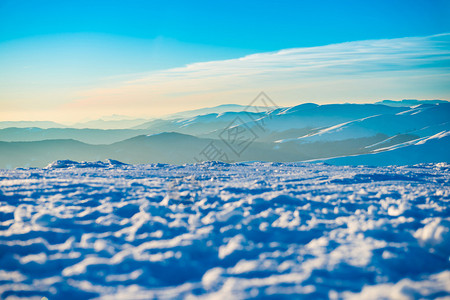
(335, 122)
(420, 120)
(201, 124)
(426, 150)
(219, 231)
(315, 116)
(308, 115)
(409, 102)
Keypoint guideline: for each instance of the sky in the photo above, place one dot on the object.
(68, 61)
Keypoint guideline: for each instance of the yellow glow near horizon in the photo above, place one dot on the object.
(358, 72)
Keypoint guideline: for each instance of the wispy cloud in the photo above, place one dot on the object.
(416, 67)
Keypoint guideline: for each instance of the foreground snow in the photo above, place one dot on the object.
(81, 230)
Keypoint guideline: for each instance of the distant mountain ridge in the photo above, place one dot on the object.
(27, 124)
(109, 124)
(353, 132)
(409, 102)
(90, 136)
(207, 110)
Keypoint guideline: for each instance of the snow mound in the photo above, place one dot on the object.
(63, 164)
(432, 288)
(224, 231)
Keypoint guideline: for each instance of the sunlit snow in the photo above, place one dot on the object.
(110, 230)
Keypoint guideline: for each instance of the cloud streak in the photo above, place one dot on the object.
(362, 71)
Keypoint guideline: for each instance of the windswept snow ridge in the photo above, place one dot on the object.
(115, 231)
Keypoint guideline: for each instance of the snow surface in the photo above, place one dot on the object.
(214, 230)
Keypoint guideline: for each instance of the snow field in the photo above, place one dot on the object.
(245, 230)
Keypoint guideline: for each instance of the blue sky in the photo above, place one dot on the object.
(54, 53)
(255, 25)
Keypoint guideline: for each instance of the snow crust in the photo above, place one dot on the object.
(213, 230)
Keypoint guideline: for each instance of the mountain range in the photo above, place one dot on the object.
(384, 133)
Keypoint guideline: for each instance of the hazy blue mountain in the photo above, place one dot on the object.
(172, 148)
(164, 147)
(37, 154)
(110, 124)
(90, 136)
(169, 147)
(159, 125)
(306, 116)
(299, 133)
(26, 124)
(207, 110)
(199, 125)
(178, 120)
